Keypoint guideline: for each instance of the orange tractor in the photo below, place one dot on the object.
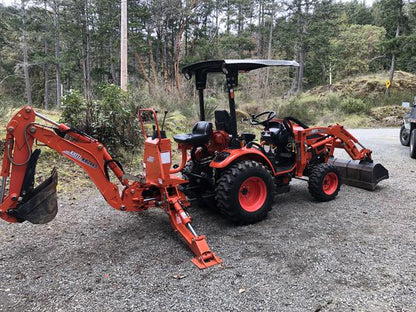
(221, 167)
(239, 176)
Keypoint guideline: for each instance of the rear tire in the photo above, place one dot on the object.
(413, 144)
(324, 182)
(245, 192)
(404, 136)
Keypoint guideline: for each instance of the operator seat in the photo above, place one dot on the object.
(200, 135)
(222, 120)
(274, 124)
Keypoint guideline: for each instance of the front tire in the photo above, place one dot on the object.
(413, 144)
(324, 182)
(404, 136)
(245, 192)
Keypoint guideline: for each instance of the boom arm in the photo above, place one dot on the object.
(87, 152)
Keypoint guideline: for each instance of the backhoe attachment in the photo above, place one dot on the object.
(21, 201)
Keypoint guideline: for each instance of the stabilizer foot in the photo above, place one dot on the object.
(181, 223)
(204, 258)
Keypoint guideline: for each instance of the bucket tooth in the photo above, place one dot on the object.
(362, 174)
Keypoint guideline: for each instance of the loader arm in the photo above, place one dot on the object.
(348, 142)
(361, 171)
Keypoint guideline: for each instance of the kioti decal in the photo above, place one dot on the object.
(78, 157)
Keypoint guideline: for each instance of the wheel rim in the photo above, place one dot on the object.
(330, 183)
(405, 136)
(252, 194)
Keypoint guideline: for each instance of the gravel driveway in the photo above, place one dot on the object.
(356, 253)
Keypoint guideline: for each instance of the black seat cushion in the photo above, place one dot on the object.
(222, 120)
(199, 136)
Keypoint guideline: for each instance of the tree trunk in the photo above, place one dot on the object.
(57, 52)
(86, 63)
(46, 66)
(228, 16)
(259, 31)
(297, 86)
(300, 72)
(393, 63)
(25, 54)
(123, 44)
(165, 66)
(152, 60)
(269, 51)
(178, 53)
(142, 70)
(112, 78)
(46, 70)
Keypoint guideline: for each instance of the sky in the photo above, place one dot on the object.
(6, 2)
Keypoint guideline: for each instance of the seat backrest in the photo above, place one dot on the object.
(274, 124)
(202, 127)
(222, 120)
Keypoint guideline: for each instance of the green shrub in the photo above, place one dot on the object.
(3, 111)
(74, 109)
(353, 105)
(396, 98)
(300, 107)
(211, 105)
(111, 119)
(333, 102)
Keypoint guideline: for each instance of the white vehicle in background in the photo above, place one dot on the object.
(408, 130)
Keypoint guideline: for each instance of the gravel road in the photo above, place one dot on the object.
(356, 253)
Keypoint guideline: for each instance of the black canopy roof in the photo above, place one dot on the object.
(231, 69)
(222, 66)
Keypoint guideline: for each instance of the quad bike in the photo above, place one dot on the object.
(157, 187)
(408, 130)
(230, 171)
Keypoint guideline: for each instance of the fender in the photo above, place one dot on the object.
(228, 156)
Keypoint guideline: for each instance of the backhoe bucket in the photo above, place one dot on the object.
(39, 206)
(362, 174)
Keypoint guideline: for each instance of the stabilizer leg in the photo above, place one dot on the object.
(181, 222)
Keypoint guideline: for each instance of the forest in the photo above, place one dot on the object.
(69, 50)
(50, 47)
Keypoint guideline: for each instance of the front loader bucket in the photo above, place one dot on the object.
(362, 174)
(40, 205)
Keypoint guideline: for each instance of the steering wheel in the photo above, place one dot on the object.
(269, 116)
